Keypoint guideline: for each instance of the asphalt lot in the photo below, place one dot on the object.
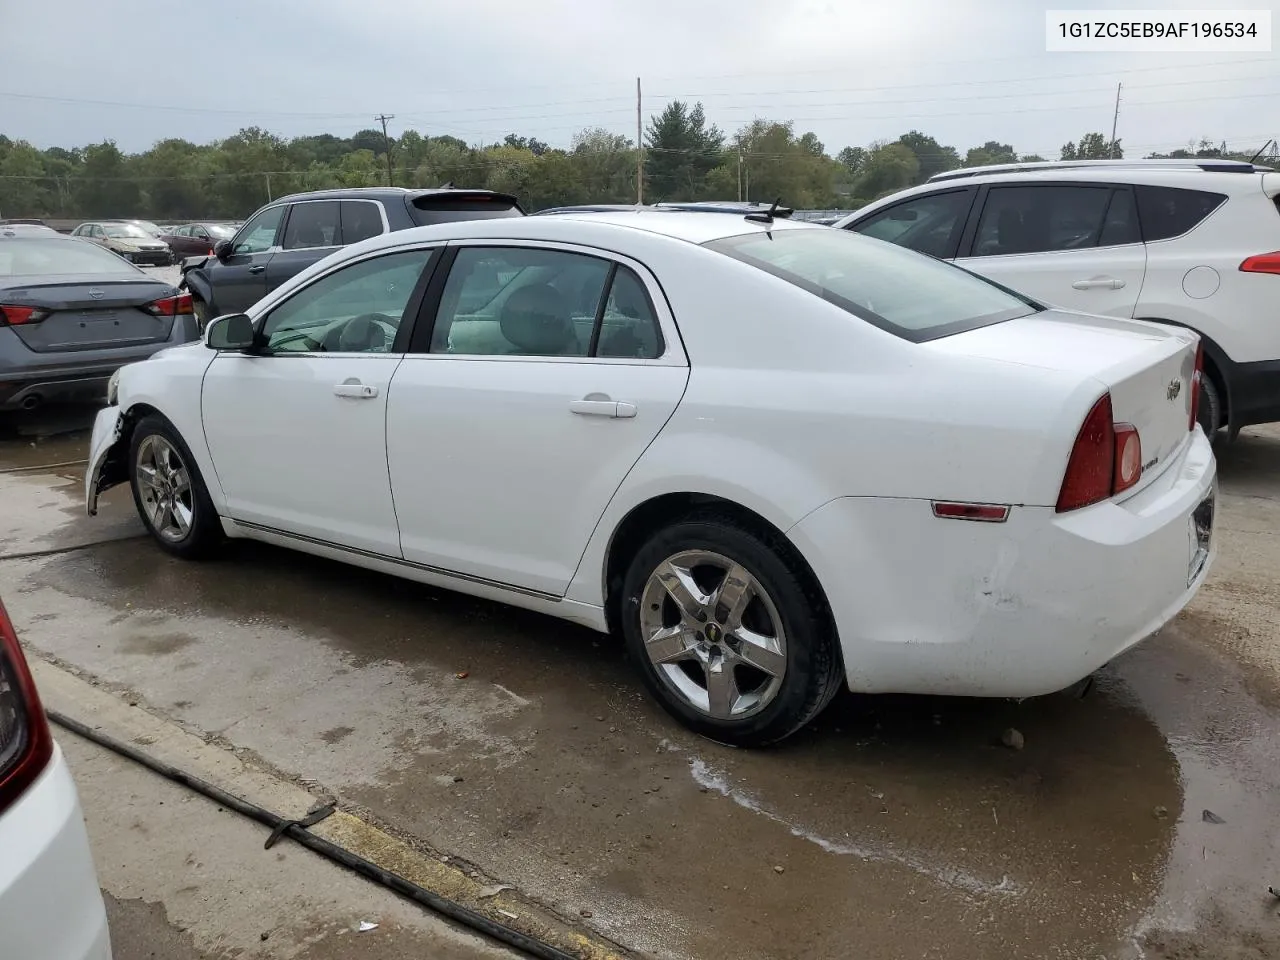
(522, 749)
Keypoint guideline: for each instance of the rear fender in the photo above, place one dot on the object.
(196, 280)
(1224, 365)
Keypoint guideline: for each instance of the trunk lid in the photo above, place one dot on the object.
(1148, 369)
(89, 313)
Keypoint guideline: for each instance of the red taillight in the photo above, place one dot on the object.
(171, 306)
(1091, 468)
(26, 743)
(1128, 457)
(1262, 263)
(984, 512)
(1196, 378)
(13, 315)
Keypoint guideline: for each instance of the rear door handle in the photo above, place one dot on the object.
(257, 269)
(360, 391)
(1106, 283)
(603, 408)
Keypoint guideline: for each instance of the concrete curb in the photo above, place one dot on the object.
(166, 741)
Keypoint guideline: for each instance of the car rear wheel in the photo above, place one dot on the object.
(169, 492)
(729, 636)
(1209, 414)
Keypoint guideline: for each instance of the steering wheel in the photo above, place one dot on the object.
(360, 334)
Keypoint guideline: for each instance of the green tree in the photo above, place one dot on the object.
(933, 157)
(889, 167)
(23, 188)
(681, 150)
(1092, 146)
(990, 153)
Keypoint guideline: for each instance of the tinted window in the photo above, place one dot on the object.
(1170, 212)
(1121, 224)
(443, 208)
(360, 220)
(312, 225)
(54, 256)
(628, 327)
(925, 224)
(915, 297)
(502, 301)
(259, 233)
(357, 309)
(1039, 219)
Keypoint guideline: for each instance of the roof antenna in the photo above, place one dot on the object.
(446, 186)
(767, 215)
(1254, 158)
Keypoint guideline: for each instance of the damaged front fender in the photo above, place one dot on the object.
(107, 467)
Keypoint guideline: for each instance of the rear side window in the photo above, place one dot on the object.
(1171, 211)
(314, 224)
(914, 297)
(1037, 219)
(447, 208)
(360, 220)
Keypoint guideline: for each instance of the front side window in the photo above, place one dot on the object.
(924, 224)
(311, 225)
(1040, 219)
(259, 234)
(356, 309)
(915, 297)
(520, 301)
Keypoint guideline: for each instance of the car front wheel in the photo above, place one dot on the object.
(169, 492)
(730, 637)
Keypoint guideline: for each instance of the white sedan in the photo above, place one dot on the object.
(775, 458)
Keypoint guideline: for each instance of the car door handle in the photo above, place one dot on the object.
(360, 391)
(258, 269)
(603, 408)
(1107, 283)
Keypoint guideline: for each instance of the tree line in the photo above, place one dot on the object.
(684, 158)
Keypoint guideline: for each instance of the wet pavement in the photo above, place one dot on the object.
(521, 745)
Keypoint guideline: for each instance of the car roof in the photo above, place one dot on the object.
(382, 193)
(1203, 164)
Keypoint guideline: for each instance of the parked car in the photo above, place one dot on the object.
(702, 206)
(26, 230)
(128, 240)
(290, 234)
(71, 313)
(196, 239)
(50, 904)
(151, 228)
(1192, 243)
(777, 458)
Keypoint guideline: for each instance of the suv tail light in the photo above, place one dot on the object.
(26, 743)
(1262, 263)
(171, 306)
(1105, 460)
(1196, 378)
(13, 316)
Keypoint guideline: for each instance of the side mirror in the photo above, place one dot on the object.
(222, 249)
(232, 332)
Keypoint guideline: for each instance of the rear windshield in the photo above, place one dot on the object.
(442, 208)
(906, 293)
(57, 256)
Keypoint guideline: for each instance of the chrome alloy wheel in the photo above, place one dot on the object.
(713, 634)
(164, 487)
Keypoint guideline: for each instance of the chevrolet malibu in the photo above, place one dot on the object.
(776, 459)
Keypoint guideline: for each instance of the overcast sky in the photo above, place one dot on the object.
(963, 71)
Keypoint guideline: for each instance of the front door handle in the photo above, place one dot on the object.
(258, 269)
(356, 389)
(1106, 283)
(603, 408)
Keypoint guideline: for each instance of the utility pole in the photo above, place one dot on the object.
(639, 150)
(268, 177)
(387, 143)
(739, 173)
(1115, 118)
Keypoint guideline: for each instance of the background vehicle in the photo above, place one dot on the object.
(151, 228)
(1185, 242)
(128, 240)
(71, 313)
(196, 239)
(290, 234)
(27, 230)
(775, 457)
(50, 904)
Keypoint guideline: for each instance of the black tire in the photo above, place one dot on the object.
(204, 531)
(1209, 416)
(813, 672)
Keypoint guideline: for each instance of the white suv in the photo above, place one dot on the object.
(1194, 243)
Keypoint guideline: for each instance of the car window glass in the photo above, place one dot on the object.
(259, 233)
(628, 327)
(312, 225)
(199, 233)
(1121, 224)
(1170, 212)
(360, 220)
(356, 309)
(504, 301)
(52, 255)
(924, 224)
(1040, 219)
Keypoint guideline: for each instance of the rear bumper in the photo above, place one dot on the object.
(151, 258)
(1255, 393)
(50, 903)
(1015, 609)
